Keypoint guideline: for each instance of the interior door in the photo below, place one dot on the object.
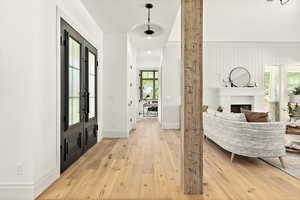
(78, 95)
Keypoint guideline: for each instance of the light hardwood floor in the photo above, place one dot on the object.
(146, 166)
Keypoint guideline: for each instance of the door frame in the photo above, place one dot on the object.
(61, 14)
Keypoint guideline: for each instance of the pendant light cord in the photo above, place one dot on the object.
(148, 18)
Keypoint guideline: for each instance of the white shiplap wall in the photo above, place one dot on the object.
(221, 57)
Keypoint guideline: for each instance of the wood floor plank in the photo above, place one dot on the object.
(147, 166)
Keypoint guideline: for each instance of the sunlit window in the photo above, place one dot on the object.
(149, 85)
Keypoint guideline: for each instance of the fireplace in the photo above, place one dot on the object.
(231, 99)
(237, 108)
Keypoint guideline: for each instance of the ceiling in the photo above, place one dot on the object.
(124, 15)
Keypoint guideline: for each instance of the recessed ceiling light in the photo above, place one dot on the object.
(149, 52)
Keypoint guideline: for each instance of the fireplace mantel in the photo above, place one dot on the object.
(237, 96)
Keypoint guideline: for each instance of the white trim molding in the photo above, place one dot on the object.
(170, 125)
(45, 181)
(115, 134)
(16, 191)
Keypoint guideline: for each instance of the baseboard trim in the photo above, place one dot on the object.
(170, 126)
(115, 134)
(44, 182)
(17, 191)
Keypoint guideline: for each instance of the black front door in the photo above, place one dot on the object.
(78, 95)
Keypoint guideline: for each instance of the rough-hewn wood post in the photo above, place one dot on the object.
(191, 116)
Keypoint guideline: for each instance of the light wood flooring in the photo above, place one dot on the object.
(146, 166)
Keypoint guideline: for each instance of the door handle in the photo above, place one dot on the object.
(79, 143)
(86, 137)
(65, 149)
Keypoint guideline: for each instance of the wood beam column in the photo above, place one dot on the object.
(191, 112)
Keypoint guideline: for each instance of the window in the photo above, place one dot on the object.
(293, 80)
(272, 91)
(149, 89)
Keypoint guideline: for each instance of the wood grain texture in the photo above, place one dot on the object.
(147, 166)
(192, 86)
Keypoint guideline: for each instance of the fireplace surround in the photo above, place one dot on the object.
(233, 98)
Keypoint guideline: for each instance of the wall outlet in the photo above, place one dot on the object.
(19, 169)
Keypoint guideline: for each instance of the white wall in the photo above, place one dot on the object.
(221, 57)
(149, 59)
(17, 102)
(170, 86)
(132, 99)
(251, 20)
(175, 34)
(247, 20)
(115, 87)
(248, 33)
(29, 85)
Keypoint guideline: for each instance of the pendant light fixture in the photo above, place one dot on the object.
(282, 2)
(149, 32)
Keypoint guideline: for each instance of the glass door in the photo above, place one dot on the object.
(78, 95)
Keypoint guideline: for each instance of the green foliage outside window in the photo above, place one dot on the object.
(293, 81)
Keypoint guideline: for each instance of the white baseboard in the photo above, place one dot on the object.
(27, 191)
(170, 126)
(115, 134)
(16, 191)
(44, 182)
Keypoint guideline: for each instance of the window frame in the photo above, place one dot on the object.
(153, 79)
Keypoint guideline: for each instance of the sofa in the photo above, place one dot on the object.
(233, 133)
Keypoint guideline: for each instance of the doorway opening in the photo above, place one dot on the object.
(280, 83)
(149, 92)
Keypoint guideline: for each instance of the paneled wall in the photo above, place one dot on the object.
(221, 57)
(171, 86)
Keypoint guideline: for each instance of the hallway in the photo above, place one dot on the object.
(146, 166)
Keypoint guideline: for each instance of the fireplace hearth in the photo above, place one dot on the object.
(237, 108)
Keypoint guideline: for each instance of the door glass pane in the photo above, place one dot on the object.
(92, 85)
(92, 112)
(74, 115)
(76, 109)
(74, 53)
(74, 82)
(70, 111)
(92, 63)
